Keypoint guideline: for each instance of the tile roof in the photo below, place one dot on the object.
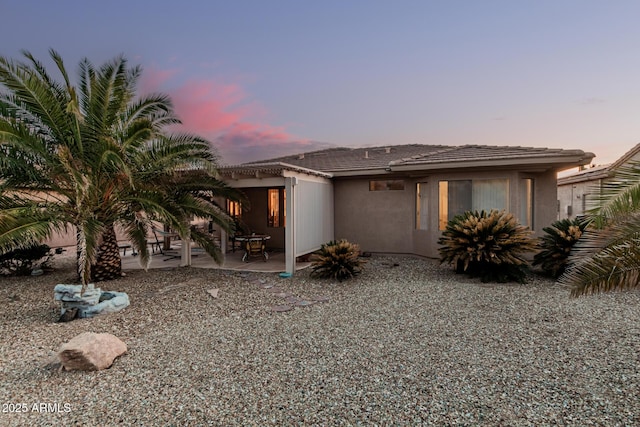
(344, 158)
(393, 156)
(591, 174)
(488, 152)
(603, 171)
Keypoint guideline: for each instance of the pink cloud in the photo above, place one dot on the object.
(224, 113)
(206, 107)
(153, 78)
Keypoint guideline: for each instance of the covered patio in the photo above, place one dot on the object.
(233, 261)
(291, 205)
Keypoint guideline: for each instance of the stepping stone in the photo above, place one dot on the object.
(284, 295)
(213, 292)
(292, 300)
(265, 286)
(281, 308)
(321, 298)
(304, 303)
(171, 288)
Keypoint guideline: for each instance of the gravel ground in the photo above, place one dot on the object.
(404, 344)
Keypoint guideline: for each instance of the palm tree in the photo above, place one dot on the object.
(95, 156)
(607, 256)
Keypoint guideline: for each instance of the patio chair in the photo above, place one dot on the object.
(241, 229)
(157, 244)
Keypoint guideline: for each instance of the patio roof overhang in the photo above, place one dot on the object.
(267, 170)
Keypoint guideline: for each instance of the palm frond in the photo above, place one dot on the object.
(93, 155)
(603, 259)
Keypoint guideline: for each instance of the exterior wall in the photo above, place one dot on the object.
(575, 199)
(385, 221)
(379, 221)
(68, 238)
(63, 239)
(545, 201)
(578, 197)
(256, 217)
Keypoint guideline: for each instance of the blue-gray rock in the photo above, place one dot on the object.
(116, 302)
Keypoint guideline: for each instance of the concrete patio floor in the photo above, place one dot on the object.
(233, 261)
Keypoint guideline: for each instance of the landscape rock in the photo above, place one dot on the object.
(92, 302)
(68, 314)
(91, 351)
(111, 302)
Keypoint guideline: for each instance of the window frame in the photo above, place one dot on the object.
(387, 185)
(444, 202)
(278, 218)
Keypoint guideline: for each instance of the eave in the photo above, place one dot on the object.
(533, 163)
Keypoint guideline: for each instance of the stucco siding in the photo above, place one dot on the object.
(385, 221)
(545, 201)
(379, 221)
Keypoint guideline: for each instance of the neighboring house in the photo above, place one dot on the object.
(578, 193)
(395, 199)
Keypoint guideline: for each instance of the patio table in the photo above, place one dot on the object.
(254, 245)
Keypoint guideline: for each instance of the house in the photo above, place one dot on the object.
(394, 199)
(577, 193)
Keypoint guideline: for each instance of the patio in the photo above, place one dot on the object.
(199, 259)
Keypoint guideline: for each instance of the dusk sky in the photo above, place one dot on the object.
(266, 78)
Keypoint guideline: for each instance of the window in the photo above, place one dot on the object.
(234, 209)
(386, 185)
(457, 197)
(276, 207)
(422, 201)
(526, 202)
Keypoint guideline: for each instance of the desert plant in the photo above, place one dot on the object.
(557, 243)
(97, 155)
(607, 256)
(21, 261)
(487, 244)
(338, 260)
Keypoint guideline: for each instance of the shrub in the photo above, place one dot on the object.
(556, 245)
(338, 260)
(489, 245)
(20, 262)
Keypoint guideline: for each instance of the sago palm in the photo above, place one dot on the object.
(607, 256)
(95, 156)
(556, 244)
(490, 244)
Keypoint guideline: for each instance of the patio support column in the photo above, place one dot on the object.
(223, 243)
(290, 226)
(185, 251)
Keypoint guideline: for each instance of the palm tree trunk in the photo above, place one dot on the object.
(108, 263)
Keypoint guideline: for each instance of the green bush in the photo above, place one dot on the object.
(20, 262)
(489, 245)
(556, 245)
(338, 260)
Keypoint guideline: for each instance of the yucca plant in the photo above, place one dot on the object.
(490, 245)
(557, 243)
(338, 260)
